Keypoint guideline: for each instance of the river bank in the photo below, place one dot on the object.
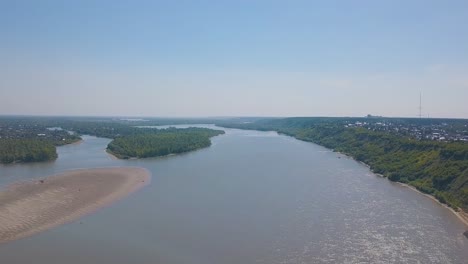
(461, 214)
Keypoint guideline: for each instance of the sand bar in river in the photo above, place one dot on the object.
(29, 207)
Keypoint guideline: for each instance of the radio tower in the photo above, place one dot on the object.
(420, 104)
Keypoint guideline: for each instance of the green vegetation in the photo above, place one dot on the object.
(25, 140)
(26, 150)
(436, 168)
(28, 139)
(161, 142)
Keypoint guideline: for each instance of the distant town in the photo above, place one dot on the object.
(23, 130)
(445, 130)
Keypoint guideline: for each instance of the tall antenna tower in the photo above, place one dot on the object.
(420, 104)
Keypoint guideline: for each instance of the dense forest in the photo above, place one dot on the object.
(161, 142)
(433, 167)
(26, 140)
(26, 150)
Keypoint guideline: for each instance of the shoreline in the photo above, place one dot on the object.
(114, 157)
(461, 214)
(75, 143)
(32, 206)
(71, 144)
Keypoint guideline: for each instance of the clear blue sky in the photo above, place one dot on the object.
(234, 58)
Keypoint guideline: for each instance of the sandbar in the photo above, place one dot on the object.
(33, 206)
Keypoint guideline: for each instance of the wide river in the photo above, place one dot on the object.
(252, 197)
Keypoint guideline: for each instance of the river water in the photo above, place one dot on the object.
(252, 197)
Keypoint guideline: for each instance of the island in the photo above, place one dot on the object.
(161, 142)
(29, 207)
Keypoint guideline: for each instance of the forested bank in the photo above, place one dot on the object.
(26, 150)
(28, 140)
(161, 142)
(436, 168)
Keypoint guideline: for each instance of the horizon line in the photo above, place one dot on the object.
(225, 117)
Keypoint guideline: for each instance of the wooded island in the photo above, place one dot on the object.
(161, 142)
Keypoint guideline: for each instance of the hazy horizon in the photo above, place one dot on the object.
(234, 59)
(217, 117)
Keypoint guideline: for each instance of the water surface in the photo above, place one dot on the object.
(252, 197)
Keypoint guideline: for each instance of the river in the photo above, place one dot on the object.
(252, 197)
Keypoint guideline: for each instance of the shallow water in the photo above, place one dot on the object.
(252, 197)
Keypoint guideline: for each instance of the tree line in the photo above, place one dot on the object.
(26, 150)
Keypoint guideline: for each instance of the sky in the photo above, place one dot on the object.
(234, 58)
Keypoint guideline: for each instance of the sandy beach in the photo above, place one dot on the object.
(29, 207)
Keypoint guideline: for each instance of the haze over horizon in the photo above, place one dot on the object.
(234, 58)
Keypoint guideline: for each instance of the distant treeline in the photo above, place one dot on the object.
(161, 142)
(107, 127)
(26, 150)
(436, 168)
(30, 139)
